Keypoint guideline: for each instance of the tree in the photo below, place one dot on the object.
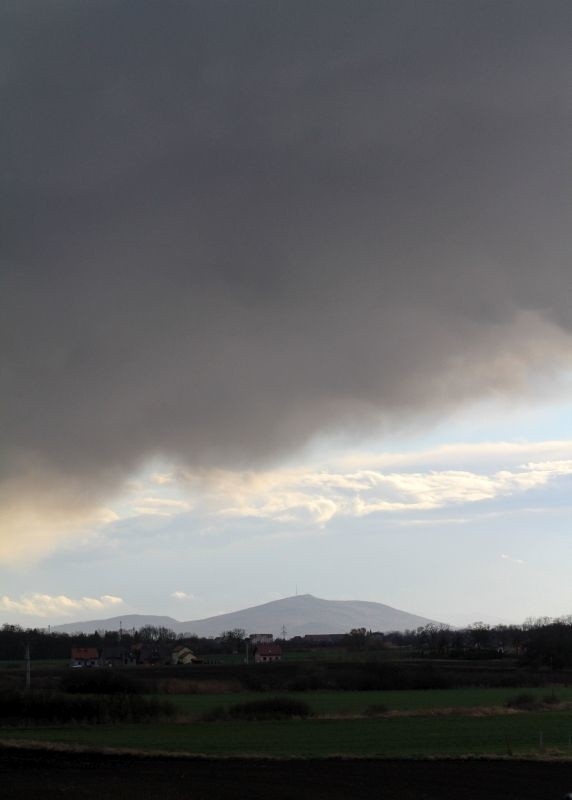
(358, 638)
(437, 637)
(233, 639)
(152, 633)
(549, 645)
(480, 634)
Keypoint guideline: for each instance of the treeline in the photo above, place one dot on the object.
(24, 708)
(541, 642)
(47, 645)
(56, 645)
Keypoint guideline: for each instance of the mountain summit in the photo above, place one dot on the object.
(299, 615)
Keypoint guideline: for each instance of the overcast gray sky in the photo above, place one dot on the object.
(246, 237)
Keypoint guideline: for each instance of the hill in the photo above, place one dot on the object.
(127, 622)
(300, 615)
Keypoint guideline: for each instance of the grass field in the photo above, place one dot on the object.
(46, 663)
(343, 655)
(324, 703)
(329, 655)
(403, 736)
(423, 734)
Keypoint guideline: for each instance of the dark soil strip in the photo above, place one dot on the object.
(27, 773)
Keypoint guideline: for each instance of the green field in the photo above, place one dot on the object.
(329, 655)
(343, 655)
(336, 702)
(45, 663)
(345, 732)
(403, 736)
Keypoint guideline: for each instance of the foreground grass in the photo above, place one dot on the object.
(336, 702)
(343, 655)
(16, 665)
(413, 736)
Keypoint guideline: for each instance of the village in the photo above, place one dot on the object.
(259, 648)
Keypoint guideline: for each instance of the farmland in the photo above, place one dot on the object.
(30, 772)
(396, 737)
(368, 734)
(518, 733)
(336, 703)
(367, 730)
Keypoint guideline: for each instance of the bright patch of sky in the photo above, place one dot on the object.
(450, 527)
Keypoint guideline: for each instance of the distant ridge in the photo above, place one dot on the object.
(300, 615)
(127, 622)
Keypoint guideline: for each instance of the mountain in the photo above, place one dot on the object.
(300, 615)
(127, 622)
(304, 614)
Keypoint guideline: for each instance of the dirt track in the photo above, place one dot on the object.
(51, 774)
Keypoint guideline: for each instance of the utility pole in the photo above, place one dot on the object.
(284, 632)
(28, 680)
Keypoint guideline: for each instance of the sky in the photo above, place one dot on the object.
(285, 305)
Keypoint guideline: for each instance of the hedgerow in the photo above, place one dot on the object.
(270, 708)
(22, 708)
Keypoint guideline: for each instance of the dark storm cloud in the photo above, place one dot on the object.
(229, 225)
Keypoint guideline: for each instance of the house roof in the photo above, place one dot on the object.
(268, 650)
(182, 650)
(84, 653)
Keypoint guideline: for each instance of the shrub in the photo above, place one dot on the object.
(18, 708)
(185, 686)
(215, 715)
(99, 681)
(377, 710)
(308, 679)
(523, 701)
(267, 709)
(550, 700)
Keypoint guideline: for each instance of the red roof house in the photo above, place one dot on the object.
(85, 657)
(267, 652)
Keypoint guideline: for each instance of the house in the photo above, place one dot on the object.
(118, 656)
(260, 638)
(84, 657)
(183, 655)
(264, 653)
(151, 653)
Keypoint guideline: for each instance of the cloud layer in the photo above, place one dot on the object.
(443, 485)
(230, 226)
(317, 497)
(45, 605)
